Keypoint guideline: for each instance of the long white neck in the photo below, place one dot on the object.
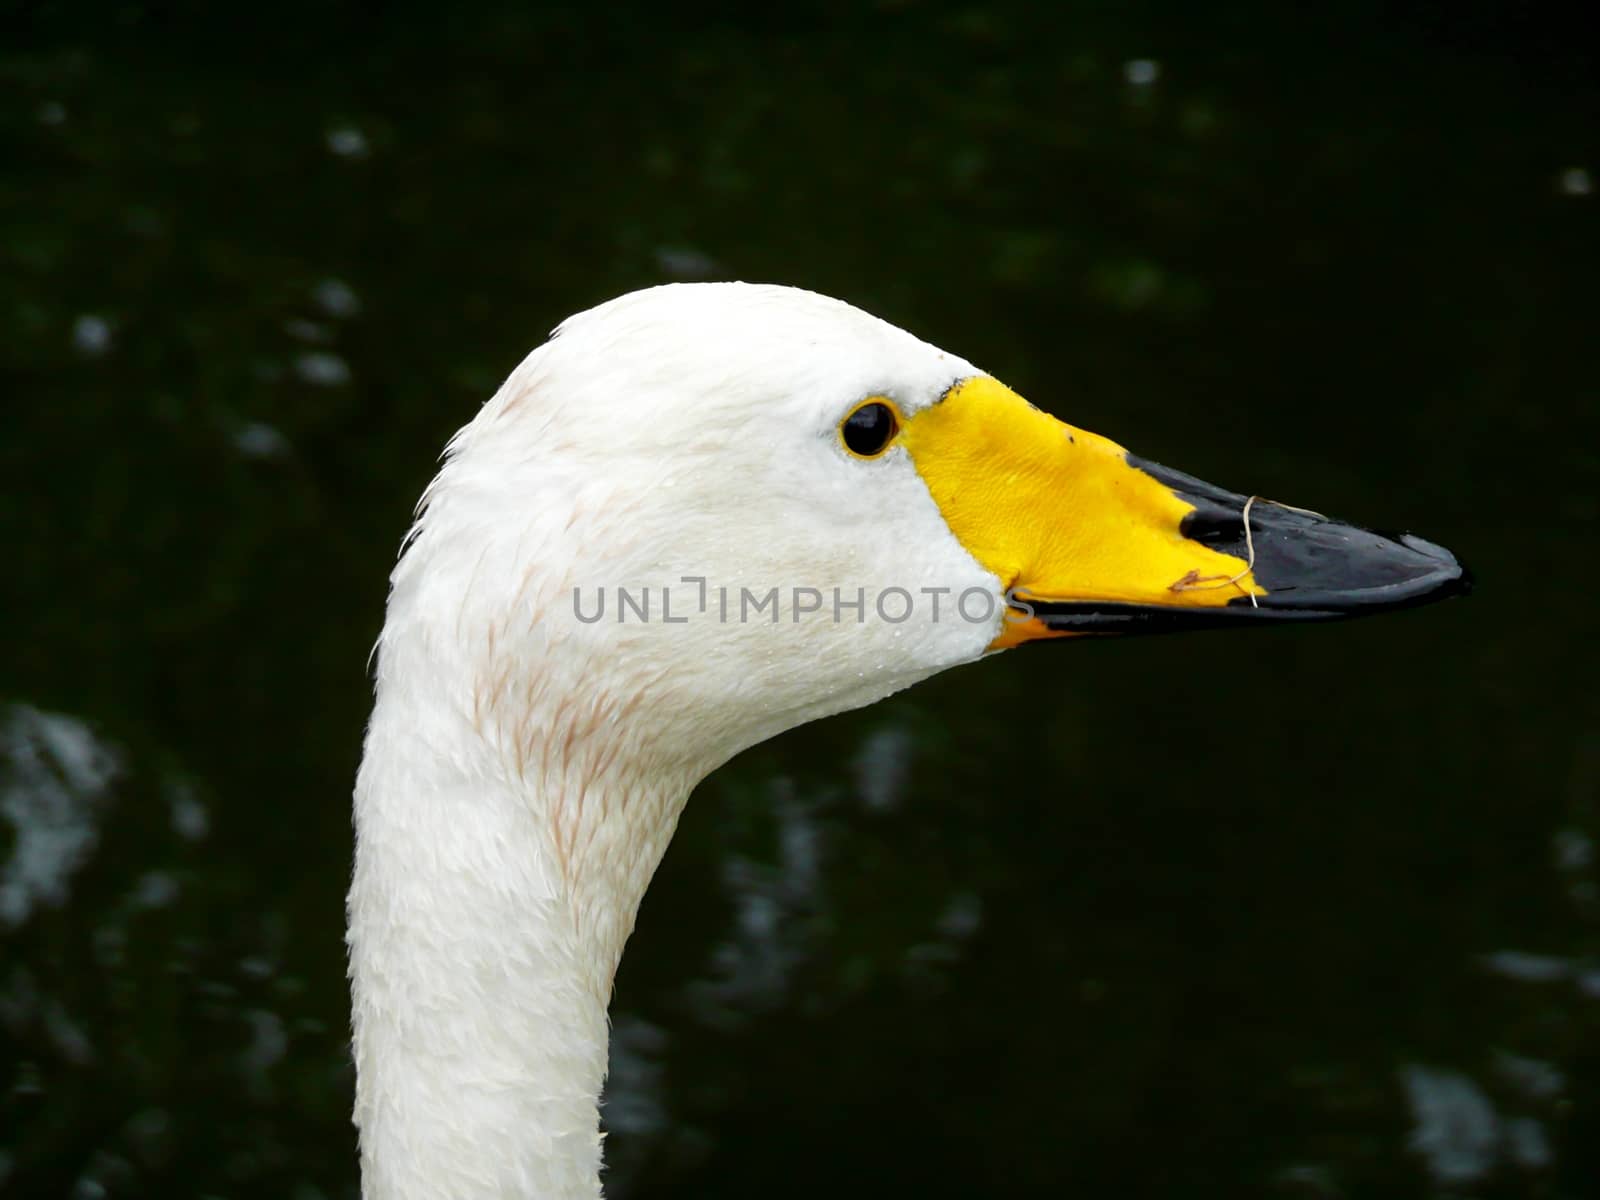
(525, 765)
(493, 891)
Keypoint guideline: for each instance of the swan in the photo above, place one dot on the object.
(697, 516)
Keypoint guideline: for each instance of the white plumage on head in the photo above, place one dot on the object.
(524, 768)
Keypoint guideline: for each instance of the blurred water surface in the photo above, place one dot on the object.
(1311, 913)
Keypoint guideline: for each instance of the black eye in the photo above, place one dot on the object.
(868, 431)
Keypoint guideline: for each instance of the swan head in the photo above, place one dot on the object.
(697, 516)
(704, 513)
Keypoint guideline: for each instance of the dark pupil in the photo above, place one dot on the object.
(868, 430)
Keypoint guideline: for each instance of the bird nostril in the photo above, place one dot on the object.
(1212, 525)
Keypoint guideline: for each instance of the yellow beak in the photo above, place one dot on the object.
(1087, 538)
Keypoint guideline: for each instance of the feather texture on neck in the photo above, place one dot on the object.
(489, 908)
(524, 769)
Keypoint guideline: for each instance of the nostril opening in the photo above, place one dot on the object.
(1213, 525)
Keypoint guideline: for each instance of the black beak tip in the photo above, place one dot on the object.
(1367, 572)
(1442, 576)
(1450, 577)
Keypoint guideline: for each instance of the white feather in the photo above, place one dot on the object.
(524, 769)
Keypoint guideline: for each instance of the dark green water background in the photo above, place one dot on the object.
(1306, 913)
